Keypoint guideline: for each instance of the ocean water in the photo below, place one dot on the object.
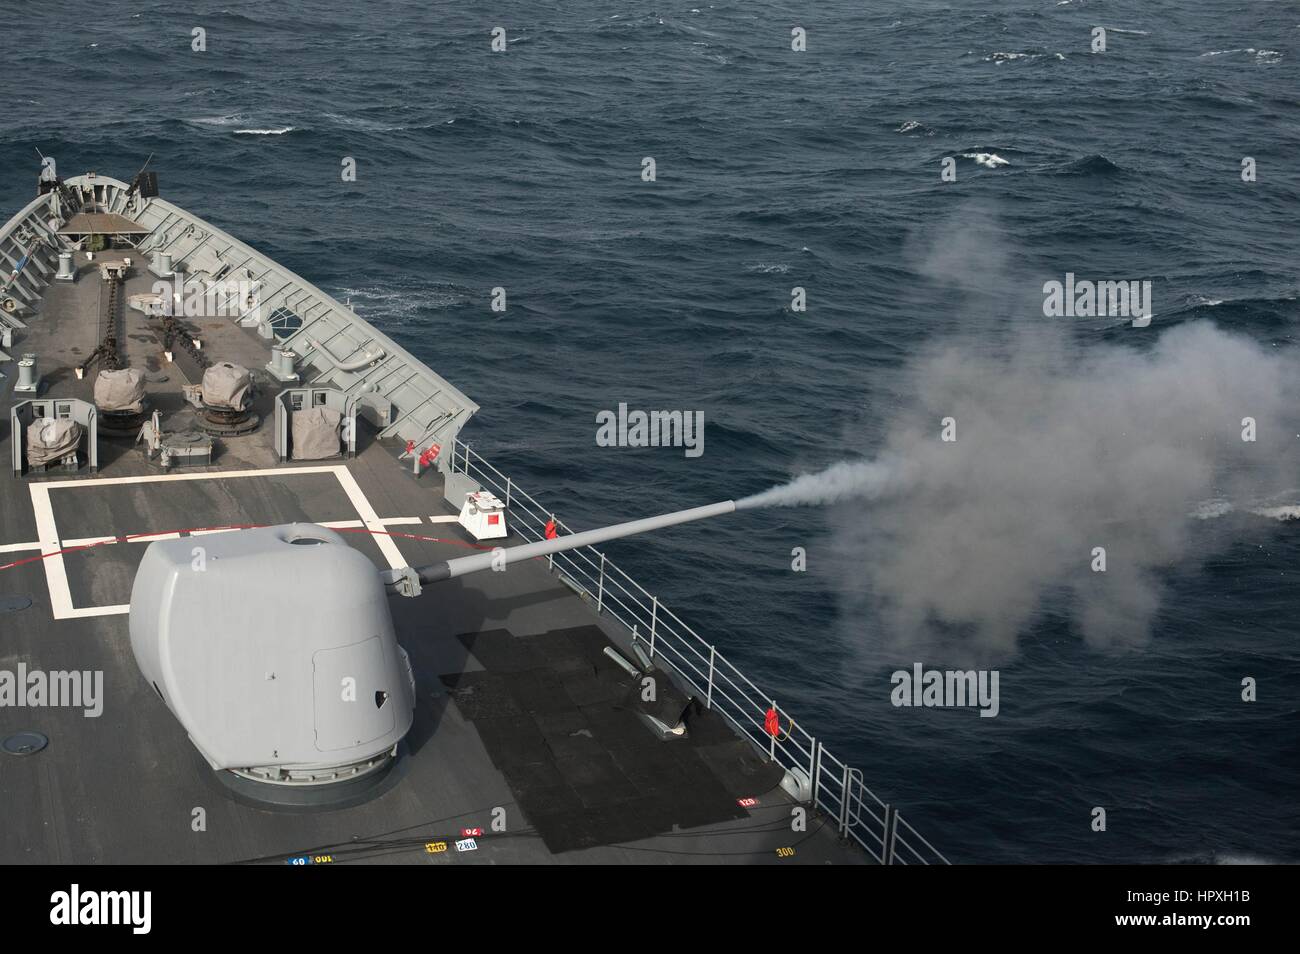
(775, 169)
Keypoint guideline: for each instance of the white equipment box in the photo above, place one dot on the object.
(484, 515)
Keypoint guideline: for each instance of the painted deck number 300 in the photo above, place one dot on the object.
(785, 852)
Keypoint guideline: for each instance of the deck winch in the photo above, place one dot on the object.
(121, 400)
(224, 400)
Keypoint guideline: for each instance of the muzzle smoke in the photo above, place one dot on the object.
(847, 480)
(1058, 450)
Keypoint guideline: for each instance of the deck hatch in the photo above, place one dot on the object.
(346, 680)
(284, 322)
(24, 743)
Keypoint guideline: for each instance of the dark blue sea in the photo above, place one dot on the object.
(774, 169)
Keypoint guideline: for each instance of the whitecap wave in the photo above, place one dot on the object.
(1283, 513)
(1220, 507)
(1261, 56)
(265, 132)
(397, 305)
(216, 120)
(990, 160)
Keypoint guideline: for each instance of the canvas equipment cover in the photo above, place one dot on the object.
(120, 390)
(49, 439)
(227, 385)
(316, 433)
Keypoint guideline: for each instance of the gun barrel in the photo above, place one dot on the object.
(449, 569)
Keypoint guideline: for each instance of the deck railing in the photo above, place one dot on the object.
(822, 780)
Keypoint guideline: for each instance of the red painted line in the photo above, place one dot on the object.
(407, 536)
(235, 526)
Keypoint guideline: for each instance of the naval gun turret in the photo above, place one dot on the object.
(275, 649)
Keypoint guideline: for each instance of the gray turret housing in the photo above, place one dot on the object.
(275, 650)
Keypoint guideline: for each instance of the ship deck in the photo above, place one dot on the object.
(517, 707)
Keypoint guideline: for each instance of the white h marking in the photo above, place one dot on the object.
(56, 574)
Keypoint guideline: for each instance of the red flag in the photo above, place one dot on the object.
(551, 532)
